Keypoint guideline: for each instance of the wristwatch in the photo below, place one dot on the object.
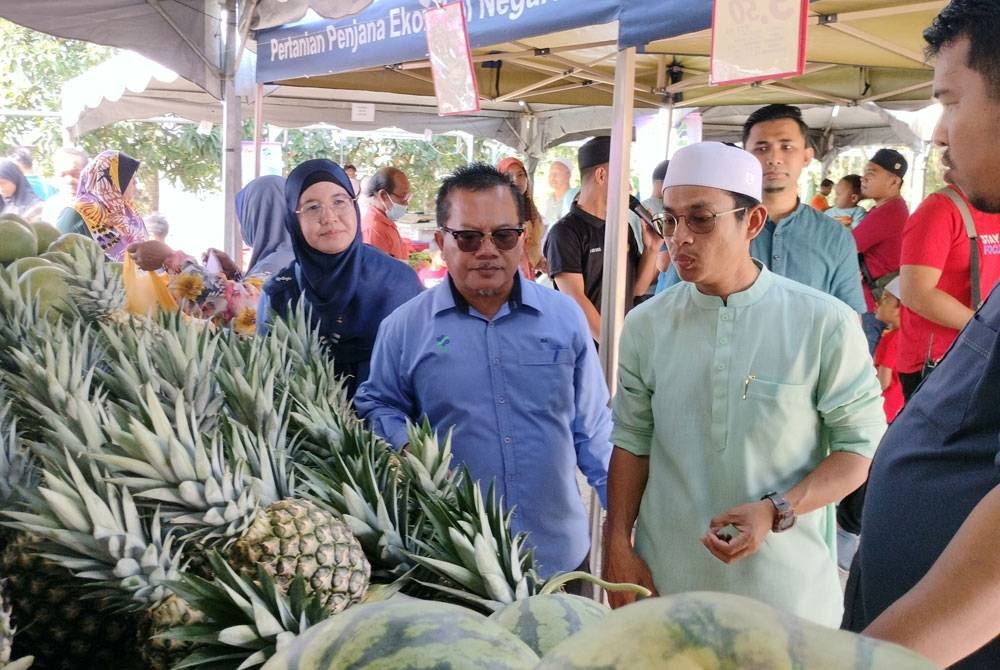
(786, 515)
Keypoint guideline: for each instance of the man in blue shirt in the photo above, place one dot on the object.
(797, 241)
(508, 363)
(927, 575)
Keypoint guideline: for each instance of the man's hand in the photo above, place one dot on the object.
(753, 520)
(623, 565)
(228, 265)
(150, 255)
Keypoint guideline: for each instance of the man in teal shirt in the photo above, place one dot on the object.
(797, 241)
(746, 406)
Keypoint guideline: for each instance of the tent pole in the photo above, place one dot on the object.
(231, 135)
(258, 127)
(613, 288)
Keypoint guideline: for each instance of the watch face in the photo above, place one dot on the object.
(785, 521)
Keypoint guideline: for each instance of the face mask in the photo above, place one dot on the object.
(395, 211)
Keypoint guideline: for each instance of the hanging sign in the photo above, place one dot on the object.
(758, 39)
(455, 82)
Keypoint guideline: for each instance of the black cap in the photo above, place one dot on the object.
(596, 151)
(891, 160)
(660, 171)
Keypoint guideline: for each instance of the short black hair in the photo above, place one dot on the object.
(743, 200)
(978, 20)
(475, 177)
(826, 182)
(854, 181)
(22, 156)
(776, 113)
(349, 166)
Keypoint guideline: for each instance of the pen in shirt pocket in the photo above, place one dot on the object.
(746, 385)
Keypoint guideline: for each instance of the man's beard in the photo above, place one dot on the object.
(988, 204)
(487, 292)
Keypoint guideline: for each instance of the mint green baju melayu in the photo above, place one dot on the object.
(730, 401)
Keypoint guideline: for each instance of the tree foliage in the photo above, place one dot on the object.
(35, 67)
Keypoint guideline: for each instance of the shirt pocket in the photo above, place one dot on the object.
(778, 392)
(545, 379)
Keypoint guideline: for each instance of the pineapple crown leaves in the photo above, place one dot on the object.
(64, 370)
(372, 500)
(17, 467)
(245, 621)
(177, 358)
(96, 288)
(427, 461)
(471, 552)
(207, 489)
(99, 534)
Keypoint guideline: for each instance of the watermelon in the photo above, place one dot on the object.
(543, 621)
(405, 633)
(718, 630)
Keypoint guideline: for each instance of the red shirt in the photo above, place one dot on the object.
(879, 237)
(378, 230)
(885, 356)
(935, 236)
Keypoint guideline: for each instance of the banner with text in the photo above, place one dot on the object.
(392, 31)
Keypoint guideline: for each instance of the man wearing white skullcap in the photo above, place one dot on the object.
(746, 407)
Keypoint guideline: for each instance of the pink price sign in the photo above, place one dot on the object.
(455, 82)
(757, 39)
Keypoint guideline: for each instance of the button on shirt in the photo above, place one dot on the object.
(524, 392)
(768, 384)
(814, 250)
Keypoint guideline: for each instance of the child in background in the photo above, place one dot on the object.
(820, 201)
(887, 311)
(845, 201)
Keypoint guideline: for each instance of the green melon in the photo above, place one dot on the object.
(68, 241)
(22, 265)
(46, 234)
(17, 239)
(717, 630)
(543, 621)
(405, 633)
(48, 286)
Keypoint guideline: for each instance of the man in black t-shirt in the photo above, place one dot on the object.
(574, 246)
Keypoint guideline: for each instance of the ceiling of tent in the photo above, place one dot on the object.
(857, 51)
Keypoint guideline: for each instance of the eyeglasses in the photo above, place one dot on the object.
(700, 221)
(504, 239)
(314, 210)
(403, 199)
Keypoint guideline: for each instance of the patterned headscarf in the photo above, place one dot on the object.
(100, 202)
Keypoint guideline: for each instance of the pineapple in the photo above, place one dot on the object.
(246, 620)
(96, 286)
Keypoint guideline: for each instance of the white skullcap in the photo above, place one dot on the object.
(716, 165)
(893, 287)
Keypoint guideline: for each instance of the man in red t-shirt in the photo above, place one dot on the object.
(935, 281)
(388, 193)
(879, 236)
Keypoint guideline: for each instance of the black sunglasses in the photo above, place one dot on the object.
(504, 239)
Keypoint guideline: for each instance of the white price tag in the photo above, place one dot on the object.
(757, 39)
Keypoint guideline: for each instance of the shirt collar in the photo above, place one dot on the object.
(770, 223)
(450, 298)
(585, 216)
(746, 297)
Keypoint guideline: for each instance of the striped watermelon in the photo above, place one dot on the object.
(405, 633)
(717, 630)
(543, 621)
